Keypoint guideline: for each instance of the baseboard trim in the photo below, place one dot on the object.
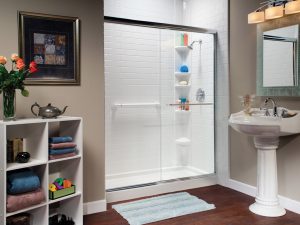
(94, 207)
(287, 203)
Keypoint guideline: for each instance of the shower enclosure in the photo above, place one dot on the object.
(159, 94)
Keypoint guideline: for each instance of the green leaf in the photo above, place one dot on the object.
(25, 93)
(3, 69)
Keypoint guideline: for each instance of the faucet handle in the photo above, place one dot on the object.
(267, 113)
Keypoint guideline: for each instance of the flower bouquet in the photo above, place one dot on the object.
(10, 81)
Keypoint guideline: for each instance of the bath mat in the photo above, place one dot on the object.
(160, 208)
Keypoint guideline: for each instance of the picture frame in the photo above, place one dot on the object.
(53, 43)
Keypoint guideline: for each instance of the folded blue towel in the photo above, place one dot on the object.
(61, 151)
(22, 181)
(60, 139)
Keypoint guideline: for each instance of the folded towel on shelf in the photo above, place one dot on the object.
(62, 145)
(61, 151)
(53, 157)
(21, 201)
(60, 139)
(22, 181)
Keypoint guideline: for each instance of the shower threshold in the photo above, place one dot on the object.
(132, 179)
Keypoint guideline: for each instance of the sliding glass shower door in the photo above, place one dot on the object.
(159, 94)
(132, 81)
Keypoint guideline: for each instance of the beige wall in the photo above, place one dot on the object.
(86, 100)
(242, 81)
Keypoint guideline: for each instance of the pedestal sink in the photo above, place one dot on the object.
(266, 131)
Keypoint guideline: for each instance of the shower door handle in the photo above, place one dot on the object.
(135, 105)
(181, 104)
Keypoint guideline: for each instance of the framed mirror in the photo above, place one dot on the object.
(278, 57)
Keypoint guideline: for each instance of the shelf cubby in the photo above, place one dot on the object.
(72, 128)
(35, 140)
(68, 169)
(35, 134)
(68, 208)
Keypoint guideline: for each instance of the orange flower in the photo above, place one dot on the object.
(20, 64)
(33, 67)
(14, 57)
(3, 60)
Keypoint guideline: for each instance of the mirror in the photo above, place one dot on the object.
(280, 57)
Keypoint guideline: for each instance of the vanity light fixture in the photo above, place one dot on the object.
(292, 7)
(273, 9)
(274, 12)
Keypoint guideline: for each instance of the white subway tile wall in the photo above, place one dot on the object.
(139, 67)
(213, 14)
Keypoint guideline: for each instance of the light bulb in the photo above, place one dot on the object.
(292, 7)
(274, 12)
(256, 17)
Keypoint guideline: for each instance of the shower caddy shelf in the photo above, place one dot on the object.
(182, 116)
(183, 76)
(184, 141)
(183, 49)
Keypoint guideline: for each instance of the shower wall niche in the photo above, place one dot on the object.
(151, 136)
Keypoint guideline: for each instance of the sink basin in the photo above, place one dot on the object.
(265, 126)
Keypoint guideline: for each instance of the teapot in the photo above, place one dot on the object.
(48, 111)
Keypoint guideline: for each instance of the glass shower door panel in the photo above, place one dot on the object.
(187, 140)
(132, 79)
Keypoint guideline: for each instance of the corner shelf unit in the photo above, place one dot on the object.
(183, 49)
(182, 89)
(35, 133)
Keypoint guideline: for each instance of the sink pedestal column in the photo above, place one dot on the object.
(266, 202)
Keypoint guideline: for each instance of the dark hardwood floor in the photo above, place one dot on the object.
(231, 209)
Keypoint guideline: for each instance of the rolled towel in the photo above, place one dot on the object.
(22, 181)
(61, 151)
(53, 157)
(60, 139)
(62, 145)
(21, 201)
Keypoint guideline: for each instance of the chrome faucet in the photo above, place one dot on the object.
(273, 104)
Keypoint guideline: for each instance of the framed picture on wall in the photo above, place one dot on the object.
(53, 43)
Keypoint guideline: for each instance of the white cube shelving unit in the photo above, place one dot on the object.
(35, 133)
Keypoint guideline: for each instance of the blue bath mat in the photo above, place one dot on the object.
(160, 208)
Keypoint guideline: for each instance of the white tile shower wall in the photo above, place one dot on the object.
(163, 11)
(213, 14)
(132, 75)
(168, 153)
(128, 64)
(119, 73)
(202, 117)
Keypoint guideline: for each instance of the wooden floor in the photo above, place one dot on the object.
(231, 209)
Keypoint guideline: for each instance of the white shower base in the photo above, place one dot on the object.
(150, 176)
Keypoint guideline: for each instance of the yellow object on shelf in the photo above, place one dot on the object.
(52, 187)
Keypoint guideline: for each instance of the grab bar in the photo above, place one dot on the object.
(133, 105)
(182, 104)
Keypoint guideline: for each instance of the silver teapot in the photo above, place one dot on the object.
(48, 111)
